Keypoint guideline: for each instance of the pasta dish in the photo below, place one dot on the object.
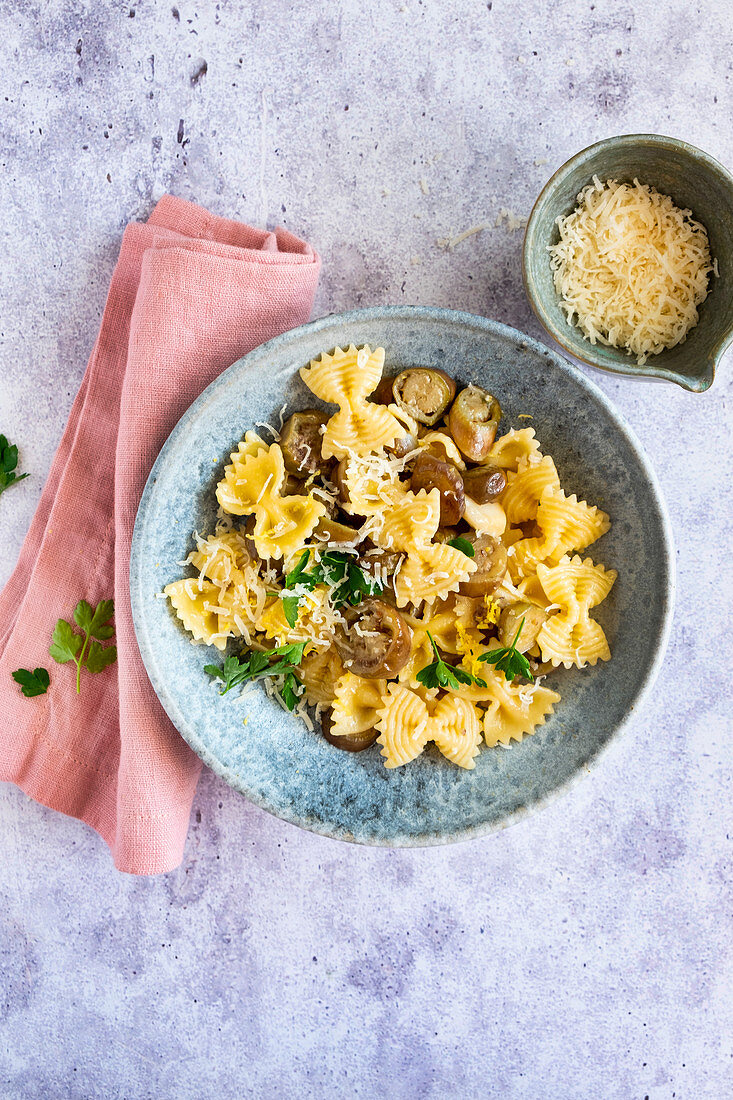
(396, 571)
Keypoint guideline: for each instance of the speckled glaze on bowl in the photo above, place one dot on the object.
(695, 181)
(296, 774)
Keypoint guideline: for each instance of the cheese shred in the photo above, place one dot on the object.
(631, 268)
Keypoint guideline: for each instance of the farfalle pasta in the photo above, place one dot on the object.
(516, 446)
(525, 487)
(252, 485)
(346, 379)
(396, 570)
(571, 637)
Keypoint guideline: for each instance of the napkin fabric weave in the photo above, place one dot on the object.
(190, 294)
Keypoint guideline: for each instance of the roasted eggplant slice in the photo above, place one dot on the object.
(375, 642)
(430, 473)
(491, 559)
(484, 483)
(300, 442)
(473, 420)
(423, 393)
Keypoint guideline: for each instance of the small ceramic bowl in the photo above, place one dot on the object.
(694, 181)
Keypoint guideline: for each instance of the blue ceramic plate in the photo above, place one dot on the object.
(272, 758)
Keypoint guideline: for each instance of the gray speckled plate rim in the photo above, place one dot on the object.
(189, 734)
(555, 332)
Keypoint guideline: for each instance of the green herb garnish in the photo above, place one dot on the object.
(8, 464)
(32, 683)
(291, 690)
(297, 576)
(463, 545)
(256, 664)
(290, 609)
(67, 645)
(440, 674)
(509, 660)
(349, 583)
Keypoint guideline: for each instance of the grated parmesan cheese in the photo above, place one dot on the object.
(513, 221)
(631, 268)
(268, 427)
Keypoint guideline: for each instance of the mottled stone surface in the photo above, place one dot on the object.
(583, 953)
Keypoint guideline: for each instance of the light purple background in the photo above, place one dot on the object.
(584, 953)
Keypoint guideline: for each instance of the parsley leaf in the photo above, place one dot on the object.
(441, 674)
(95, 622)
(349, 583)
(509, 660)
(8, 464)
(291, 690)
(32, 683)
(99, 657)
(256, 664)
(298, 575)
(290, 609)
(67, 645)
(463, 545)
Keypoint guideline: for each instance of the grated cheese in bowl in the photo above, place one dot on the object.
(631, 268)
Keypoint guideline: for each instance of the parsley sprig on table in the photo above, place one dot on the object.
(255, 665)
(68, 645)
(349, 583)
(32, 683)
(509, 660)
(441, 674)
(8, 464)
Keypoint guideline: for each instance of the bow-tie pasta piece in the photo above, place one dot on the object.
(221, 558)
(254, 470)
(412, 521)
(372, 484)
(571, 637)
(313, 624)
(320, 670)
(431, 573)
(514, 447)
(524, 557)
(450, 451)
(252, 484)
(346, 378)
(356, 704)
(521, 497)
(283, 524)
(455, 729)
(566, 524)
(226, 491)
(515, 711)
(224, 559)
(402, 721)
(197, 605)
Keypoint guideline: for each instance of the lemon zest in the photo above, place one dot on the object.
(491, 615)
(470, 650)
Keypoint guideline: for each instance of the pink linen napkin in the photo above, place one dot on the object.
(191, 293)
